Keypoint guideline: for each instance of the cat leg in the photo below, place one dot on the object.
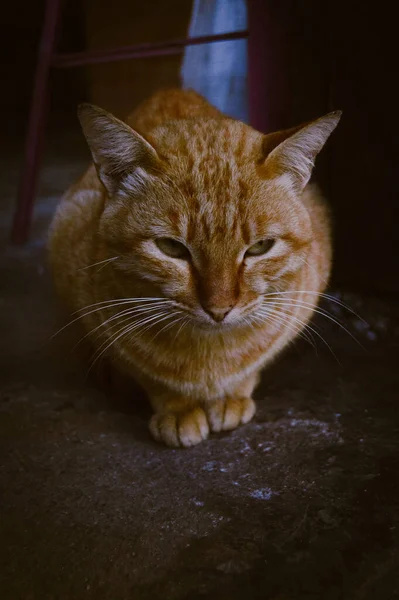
(234, 409)
(178, 422)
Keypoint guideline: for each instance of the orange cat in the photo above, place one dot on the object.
(195, 252)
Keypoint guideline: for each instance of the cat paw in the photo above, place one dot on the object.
(228, 413)
(182, 429)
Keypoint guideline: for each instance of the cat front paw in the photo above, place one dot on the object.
(183, 429)
(229, 413)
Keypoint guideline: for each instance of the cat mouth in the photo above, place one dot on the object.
(208, 324)
(234, 320)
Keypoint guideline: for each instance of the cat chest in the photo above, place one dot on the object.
(198, 373)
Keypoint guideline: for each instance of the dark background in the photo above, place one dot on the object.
(328, 55)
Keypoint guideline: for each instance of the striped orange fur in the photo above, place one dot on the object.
(195, 251)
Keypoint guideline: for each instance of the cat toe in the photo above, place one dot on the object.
(163, 429)
(227, 414)
(193, 427)
(189, 428)
(184, 429)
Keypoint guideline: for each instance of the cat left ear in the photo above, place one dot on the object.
(296, 154)
(119, 152)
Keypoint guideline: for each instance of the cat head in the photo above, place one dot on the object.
(205, 212)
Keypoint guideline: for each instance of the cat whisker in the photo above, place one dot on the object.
(99, 308)
(169, 325)
(298, 331)
(283, 317)
(105, 265)
(118, 334)
(134, 325)
(321, 295)
(247, 321)
(121, 301)
(307, 305)
(124, 303)
(133, 322)
(301, 329)
(186, 320)
(128, 313)
(251, 319)
(160, 320)
(101, 262)
(307, 326)
(314, 270)
(128, 330)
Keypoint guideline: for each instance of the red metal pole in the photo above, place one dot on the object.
(35, 133)
(78, 59)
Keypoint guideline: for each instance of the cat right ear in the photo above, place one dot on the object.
(294, 151)
(121, 156)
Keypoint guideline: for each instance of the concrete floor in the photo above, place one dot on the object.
(302, 503)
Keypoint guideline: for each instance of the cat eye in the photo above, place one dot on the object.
(173, 248)
(261, 247)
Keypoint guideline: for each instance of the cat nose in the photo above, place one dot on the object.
(218, 314)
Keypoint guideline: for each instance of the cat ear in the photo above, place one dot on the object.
(295, 155)
(119, 153)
